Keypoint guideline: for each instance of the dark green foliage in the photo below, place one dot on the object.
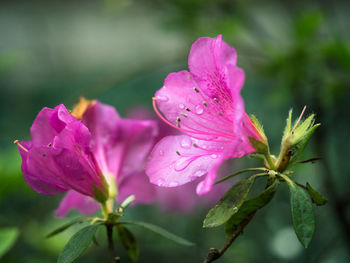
(77, 244)
(250, 206)
(160, 231)
(316, 197)
(8, 237)
(229, 204)
(66, 226)
(302, 214)
(129, 242)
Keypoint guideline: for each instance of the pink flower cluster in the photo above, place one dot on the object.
(86, 152)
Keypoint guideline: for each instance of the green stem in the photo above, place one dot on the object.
(104, 210)
(240, 172)
(270, 162)
(214, 253)
(109, 228)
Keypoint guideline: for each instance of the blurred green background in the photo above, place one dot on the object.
(294, 53)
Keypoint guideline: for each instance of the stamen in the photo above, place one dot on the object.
(20, 145)
(178, 122)
(50, 144)
(178, 153)
(188, 109)
(220, 113)
(216, 99)
(205, 104)
(301, 115)
(195, 89)
(195, 145)
(183, 114)
(164, 119)
(190, 130)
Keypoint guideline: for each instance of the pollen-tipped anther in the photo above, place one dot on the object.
(20, 145)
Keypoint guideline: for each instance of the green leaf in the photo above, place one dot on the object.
(250, 206)
(229, 204)
(258, 126)
(66, 226)
(302, 214)
(259, 146)
(77, 244)
(8, 237)
(316, 197)
(299, 148)
(160, 231)
(257, 156)
(288, 127)
(129, 242)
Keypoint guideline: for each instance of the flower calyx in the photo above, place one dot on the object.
(295, 139)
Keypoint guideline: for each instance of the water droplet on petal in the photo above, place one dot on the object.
(200, 187)
(199, 173)
(160, 182)
(199, 109)
(173, 184)
(162, 98)
(161, 152)
(181, 106)
(186, 143)
(214, 156)
(182, 163)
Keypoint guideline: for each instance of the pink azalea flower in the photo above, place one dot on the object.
(183, 198)
(58, 157)
(120, 147)
(206, 106)
(116, 149)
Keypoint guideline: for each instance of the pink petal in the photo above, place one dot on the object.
(48, 124)
(137, 138)
(74, 160)
(74, 200)
(206, 185)
(209, 55)
(38, 172)
(102, 121)
(176, 160)
(186, 104)
(136, 184)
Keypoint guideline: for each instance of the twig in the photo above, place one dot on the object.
(109, 228)
(214, 253)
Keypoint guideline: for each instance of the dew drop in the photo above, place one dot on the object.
(162, 98)
(160, 182)
(161, 152)
(199, 173)
(199, 109)
(182, 163)
(214, 156)
(173, 184)
(181, 106)
(186, 143)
